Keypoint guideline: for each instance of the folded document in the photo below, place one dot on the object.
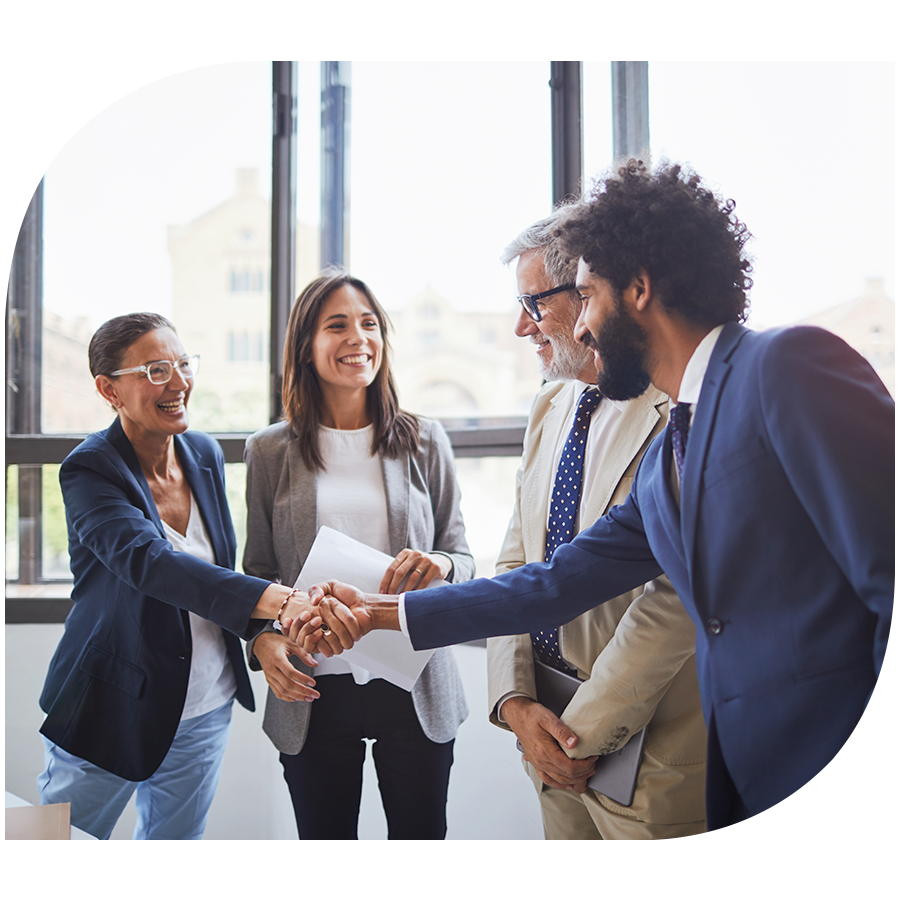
(386, 654)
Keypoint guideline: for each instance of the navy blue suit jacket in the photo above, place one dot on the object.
(782, 551)
(117, 682)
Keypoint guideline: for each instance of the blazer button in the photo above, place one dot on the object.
(714, 626)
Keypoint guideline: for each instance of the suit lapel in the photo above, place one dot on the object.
(199, 478)
(637, 423)
(304, 515)
(396, 474)
(537, 504)
(702, 426)
(119, 440)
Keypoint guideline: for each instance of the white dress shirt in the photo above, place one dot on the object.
(689, 391)
(695, 370)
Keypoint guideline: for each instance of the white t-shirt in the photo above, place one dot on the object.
(350, 498)
(211, 682)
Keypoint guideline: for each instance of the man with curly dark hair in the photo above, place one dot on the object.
(768, 500)
(670, 224)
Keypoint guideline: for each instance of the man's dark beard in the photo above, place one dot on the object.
(622, 346)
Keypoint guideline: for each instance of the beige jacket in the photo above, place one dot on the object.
(636, 652)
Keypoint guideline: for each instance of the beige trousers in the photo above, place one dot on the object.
(568, 816)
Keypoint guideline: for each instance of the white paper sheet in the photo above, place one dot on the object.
(386, 654)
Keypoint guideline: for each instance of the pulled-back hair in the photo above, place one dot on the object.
(112, 339)
(668, 223)
(396, 432)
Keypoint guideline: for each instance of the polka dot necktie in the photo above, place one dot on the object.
(563, 509)
(680, 425)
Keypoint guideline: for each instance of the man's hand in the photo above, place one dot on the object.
(273, 652)
(339, 628)
(370, 611)
(542, 735)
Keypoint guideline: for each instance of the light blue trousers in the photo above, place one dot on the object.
(171, 805)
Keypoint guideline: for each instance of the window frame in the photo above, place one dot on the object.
(33, 598)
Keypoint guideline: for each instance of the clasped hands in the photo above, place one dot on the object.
(317, 622)
(544, 739)
(332, 617)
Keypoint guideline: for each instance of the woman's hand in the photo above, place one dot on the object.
(369, 612)
(280, 602)
(420, 567)
(337, 629)
(273, 652)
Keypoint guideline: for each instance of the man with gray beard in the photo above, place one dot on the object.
(634, 655)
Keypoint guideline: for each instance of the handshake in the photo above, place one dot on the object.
(332, 617)
(336, 616)
(328, 620)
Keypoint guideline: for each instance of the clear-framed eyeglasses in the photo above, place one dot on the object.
(530, 301)
(160, 371)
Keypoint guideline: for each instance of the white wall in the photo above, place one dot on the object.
(490, 796)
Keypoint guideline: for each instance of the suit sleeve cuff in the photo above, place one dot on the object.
(401, 613)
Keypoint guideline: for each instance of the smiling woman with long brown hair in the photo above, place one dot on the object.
(348, 457)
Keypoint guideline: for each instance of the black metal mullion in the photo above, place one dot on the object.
(284, 219)
(24, 323)
(566, 129)
(23, 375)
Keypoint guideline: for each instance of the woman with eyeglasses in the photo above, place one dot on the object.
(348, 457)
(139, 692)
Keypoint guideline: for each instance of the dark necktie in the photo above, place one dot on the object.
(563, 509)
(680, 425)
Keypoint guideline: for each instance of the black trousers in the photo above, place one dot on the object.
(325, 777)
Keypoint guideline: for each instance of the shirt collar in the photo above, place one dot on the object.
(695, 371)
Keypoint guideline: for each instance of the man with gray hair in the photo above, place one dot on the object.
(633, 655)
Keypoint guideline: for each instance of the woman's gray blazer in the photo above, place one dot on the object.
(423, 514)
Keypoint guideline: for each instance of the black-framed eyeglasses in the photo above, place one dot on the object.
(160, 371)
(529, 301)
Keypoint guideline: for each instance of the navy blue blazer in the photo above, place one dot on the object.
(782, 552)
(116, 686)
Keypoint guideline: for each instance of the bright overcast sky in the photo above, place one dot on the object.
(439, 186)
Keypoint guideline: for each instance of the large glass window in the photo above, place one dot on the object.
(449, 162)
(596, 86)
(806, 149)
(161, 203)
